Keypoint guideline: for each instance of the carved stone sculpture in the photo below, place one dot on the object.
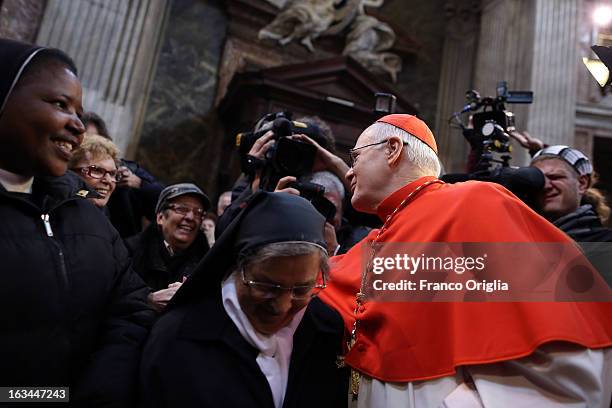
(303, 20)
(368, 40)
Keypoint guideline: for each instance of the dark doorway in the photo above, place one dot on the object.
(602, 161)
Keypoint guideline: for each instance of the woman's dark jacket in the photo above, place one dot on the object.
(72, 312)
(196, 357)
(128, 206)
(151, 260)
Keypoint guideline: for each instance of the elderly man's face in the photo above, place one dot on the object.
(180, 223)
(563, 189)
(369, 172)
(270, 315)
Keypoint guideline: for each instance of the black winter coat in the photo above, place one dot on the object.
(196, 357)
(72, 312)
(151, 260)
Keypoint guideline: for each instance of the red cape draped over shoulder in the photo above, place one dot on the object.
(409, 341)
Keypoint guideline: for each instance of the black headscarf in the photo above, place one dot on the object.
(15, 57)
(267, 218)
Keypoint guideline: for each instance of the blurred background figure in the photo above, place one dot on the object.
(225, 199)
(167, 251)
(569, 199)
(95, 161)
(208, 228)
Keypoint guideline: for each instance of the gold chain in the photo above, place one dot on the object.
(360, 296)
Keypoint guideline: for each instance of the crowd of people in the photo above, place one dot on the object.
(133, 294)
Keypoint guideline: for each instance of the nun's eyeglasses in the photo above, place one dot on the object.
(264, 290)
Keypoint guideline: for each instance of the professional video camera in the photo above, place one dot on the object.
(286, 157)
(490, 141)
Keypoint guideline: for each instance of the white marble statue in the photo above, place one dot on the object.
(302, 20)
(368, 39)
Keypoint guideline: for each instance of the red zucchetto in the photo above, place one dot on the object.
(413, 125)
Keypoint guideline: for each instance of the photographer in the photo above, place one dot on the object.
(280, 146)
(568, 199)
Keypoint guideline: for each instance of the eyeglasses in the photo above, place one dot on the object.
(198, 213)
(265, 290)
(353, 156)
(99, 173)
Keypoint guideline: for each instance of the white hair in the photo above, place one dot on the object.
(417, 152)
(330, 181)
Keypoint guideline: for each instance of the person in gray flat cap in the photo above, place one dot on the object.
(167, 251)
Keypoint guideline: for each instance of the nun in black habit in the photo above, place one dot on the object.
(73, 313)
(246, 329)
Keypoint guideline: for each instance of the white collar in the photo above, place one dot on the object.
(169, 248)
(16, 183)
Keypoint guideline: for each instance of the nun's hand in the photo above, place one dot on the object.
(282, 186)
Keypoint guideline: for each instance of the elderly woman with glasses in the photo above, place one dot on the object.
(95, 161)
(246, 329)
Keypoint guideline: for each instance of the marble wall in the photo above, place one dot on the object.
(19, 19)
(181, 137)
(178, 141)
(423, 21)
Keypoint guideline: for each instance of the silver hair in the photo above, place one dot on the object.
(417, 152)
(284, 249)
(330, 181)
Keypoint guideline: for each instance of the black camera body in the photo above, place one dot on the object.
(314, 193)
(286, 157)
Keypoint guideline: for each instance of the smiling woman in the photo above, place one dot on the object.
(43, 135)
(95, 161)
(72, 311)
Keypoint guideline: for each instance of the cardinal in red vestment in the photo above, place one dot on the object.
(457, 354)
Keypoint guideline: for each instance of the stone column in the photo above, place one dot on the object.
(115, 45)
(460, 44)
(555, 62)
